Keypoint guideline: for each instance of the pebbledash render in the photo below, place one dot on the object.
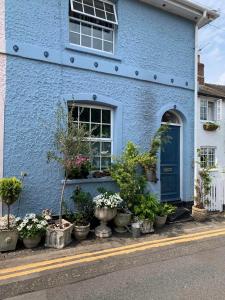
(132, 62)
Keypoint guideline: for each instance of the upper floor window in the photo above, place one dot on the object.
(98, 121)
(210, 110)
(208, 157)
(92, 24)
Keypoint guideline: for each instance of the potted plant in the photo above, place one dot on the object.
(144, 209)
(84, 213)
(79, 167)
(202, 191)
(106, 205)
(10, 189)
(210, 126)
(31, 229)
(70, 144)
(162, 211)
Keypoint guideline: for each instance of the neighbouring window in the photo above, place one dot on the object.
(207, 157)
(98, 121)
(92, 24)
(210, 110)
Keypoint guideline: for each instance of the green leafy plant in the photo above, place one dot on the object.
(70, 142)
(10, 189)
(146, 206)
(203, 183)
(164, 209)
(210, 126)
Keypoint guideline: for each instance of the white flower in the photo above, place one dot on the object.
(39, 226)
(107, 200)
(35, 220)
(29, 227)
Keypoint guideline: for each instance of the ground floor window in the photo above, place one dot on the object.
(98, 121)
(208, 157)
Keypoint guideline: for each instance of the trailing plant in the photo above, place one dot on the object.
(10, 189)
(70, 143)
(203, 183)
(210, 126)
(31, 226)
(146, 206)
(164, 209)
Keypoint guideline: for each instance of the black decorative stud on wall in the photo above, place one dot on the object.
(116, 68)
(72, 60)
(186, 83)
(155, 77)
(94, 97)
(136, 73)
(96, 64)
(15, 48)
(172, 80)
(46, 54)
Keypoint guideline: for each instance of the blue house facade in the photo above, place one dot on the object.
(128, 65)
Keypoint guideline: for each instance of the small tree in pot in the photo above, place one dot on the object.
(202, 190)
(162, 211)
(70, 145)
(10, 189)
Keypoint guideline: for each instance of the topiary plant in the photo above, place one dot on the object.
(10, 189)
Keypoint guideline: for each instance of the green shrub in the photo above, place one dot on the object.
(165, 209)
(146, 206)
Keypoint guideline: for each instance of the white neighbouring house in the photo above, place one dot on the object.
(211, 141)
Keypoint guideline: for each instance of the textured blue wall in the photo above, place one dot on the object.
(155, 40)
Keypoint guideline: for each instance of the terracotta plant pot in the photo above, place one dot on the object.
(160, 221)
(199, 214)
(30, 243)
(104, 214)
(121, 221)
(81, 232)
(8, 239)
(147, 226)
(58, 237)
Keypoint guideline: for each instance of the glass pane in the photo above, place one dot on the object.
(109, 8)
(85, 41)
(100, 13)
(106, 116)
(108, 47)
(97, 32)
(80, 1)
(89, 10)
(73, 110)
(96, 115)
(97, 44)
(99, 4)
(88, 2)
(75, 38)
(84, 114)
(108, 35)
(106, 162)
(96, 163)
(85, 126)
(110, 17)
(170, 117)
(86, 29)
(106, 131)
(95, 148)
(95, 130)
(106, 149)
(78, 6)
(75, 26)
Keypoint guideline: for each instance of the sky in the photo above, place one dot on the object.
(212, 43)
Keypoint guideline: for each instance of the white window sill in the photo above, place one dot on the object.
(88, 180)
(92, 51)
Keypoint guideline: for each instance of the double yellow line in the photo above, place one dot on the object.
(56, 263)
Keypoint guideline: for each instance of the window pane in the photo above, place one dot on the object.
(106, 149)
(108, 35)
(109, 8)
(99, 4)
(100, 13)
(95, 148)
(85, 41)
(78, 6)
(96, 115)
(75, 38)
(84, 114)
(106, 131)
(75, 26)
(95, 130)
(86, 29)
(211, 112)
(97, 32)
(89, 10)
(106, 162)
(73, 110)
(88, 2)
(108, 47)
(85, 126)
(97, 44)
(110, 17)
(96, 163)
(106, 116)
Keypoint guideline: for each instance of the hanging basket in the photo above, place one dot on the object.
(210, 126)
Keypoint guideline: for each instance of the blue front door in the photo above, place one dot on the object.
(170, 166)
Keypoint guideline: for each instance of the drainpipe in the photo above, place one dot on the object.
(196, 118)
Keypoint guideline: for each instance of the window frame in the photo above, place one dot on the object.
(207, 163)
(217, 110)
(99, 139)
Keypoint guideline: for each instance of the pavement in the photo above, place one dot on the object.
(181, 261)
